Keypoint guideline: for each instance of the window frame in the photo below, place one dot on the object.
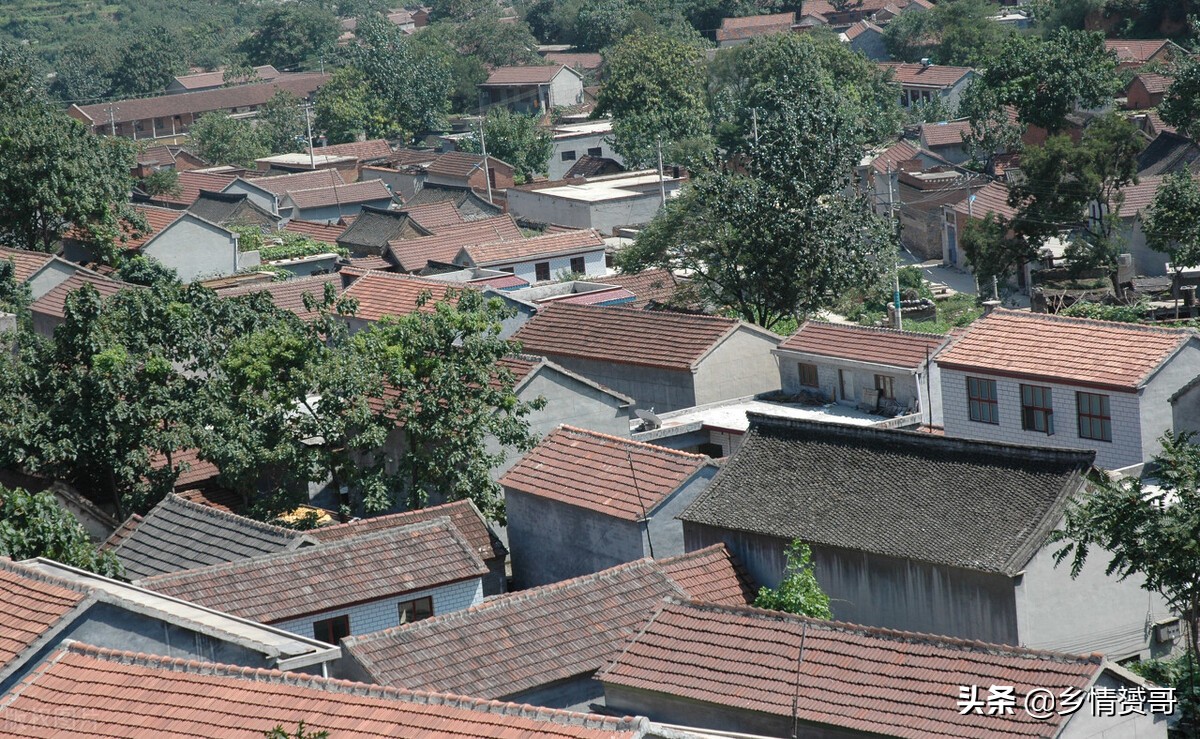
(400, 608)
(886, 385)
(325, 627)
(540, 268)
(595, 151)
(579, 265)
(976, 403)
(1037, 403)
(801, 369)
(1103, 416)
(567, 156)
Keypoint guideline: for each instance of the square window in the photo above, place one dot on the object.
(416, 610)
(568, 156)
(595, 151)
(1037, 409)
(886, 386)
(332, 630)
(578, 266)
(542, 271)
(982, 403)
(1095, 418)
(808, 375)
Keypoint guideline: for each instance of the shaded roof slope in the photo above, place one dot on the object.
(382, 294)
(860, 679)
(462, 513)
(618, 477)
(414, 254)
(54, 302)
(1104, 354)
(895, 493)
(30, 606)
(289, 294)
(712, 575)
(275, 587)
(124, 694)
(906, 349)
(180, 535)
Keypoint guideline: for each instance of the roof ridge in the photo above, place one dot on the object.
(346, 687)
(217, 513)
(694, 554)
(653, 315)
(32, 573)
(171, 577)
(1072, 320)
(873, 329)
(343, 525)
(975, 645)
(665, 451)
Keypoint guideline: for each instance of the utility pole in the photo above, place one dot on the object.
(662, 187)
(896, 270)
(487, 175)
(312, 157)
(112, 125)
(754, 123)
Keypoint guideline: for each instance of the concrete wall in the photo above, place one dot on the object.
(740, 365)
(884, 591)
(566, 89)
(384, 613)
(658, 389)
(1092, 613)
(571, 401)
(51, 276)
(665, 530)
(195, 249)
(260, 197)
(331, 213)
(1083, 724)
(870, 44)
(1125, 448)
(1156, 410)
(579, 145)
(1146, 261)
(908, 388)
(572, 694)
(404, 184)
(1186, 411)
(603, 215)
(593, 263)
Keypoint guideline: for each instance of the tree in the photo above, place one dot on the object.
(84, 69)
(35, 525)
(1173, 224)
(799, 591)
(147, 63)
(280, 124)
(223, 139)
(992, 130)
(959, 32)
(291, 36)
(346, 109)
(1046, 79)
(410, 79)
(1151, 532)
(992, 250)
(516, 139)
(1181, 105)
(146, 271)
(655, 93)
(15, 296)
(161, 182)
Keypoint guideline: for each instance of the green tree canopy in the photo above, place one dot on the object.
(280, 124)
(955, 32)
(292, 36)
(35, 525)
(1173, 224)
(346, 108)
(798, 592)
(516, 139)
(222, 139)
(146, 63)
(1181, 105)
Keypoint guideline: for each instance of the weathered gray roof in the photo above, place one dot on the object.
(180, 535)
(970, 504)
(218, 207)
(375, 227)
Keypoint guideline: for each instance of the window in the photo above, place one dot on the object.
(886, 387)
(577, 266)
(332, 630)
(542, 271)
(595, 151)
(1095, 421)
(568, 156)
(808, 375)
(416, 610)
(509, 270)
(1037, 409)
(981, 400)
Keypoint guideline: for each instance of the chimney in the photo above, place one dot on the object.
(989, 306)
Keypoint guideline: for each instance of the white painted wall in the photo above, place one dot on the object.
(593, 263)
(195, 249)
(385, 613)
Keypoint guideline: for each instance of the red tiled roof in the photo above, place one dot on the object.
(934, 75)
(945, 134)
(500, 282)
(326, 232)
(825, 7)
(651, 285)
(277, 587)
(222, 500)
(1140, 196)
(906, 349)
(575, 60)
(198, 471)
(859, 679)
(754, 25)
(413, 254)
(462, 513)
(204, 101)
(712, 575)
(1135, 50)
(121, 533)
(618, 477)
(901, 151)
(280, 184)
(364, 191)
(433, 216)
(216, 79)
(520, 365)
(1154, 83)
(672, 341)
(54, 302)
(1157, 124)
(30, 605)
(108, 693)
(528, 75)
(535, 247)
(289, 294)
(191, 183)
(605, 296)
(860, 28)
(382, 294)
(511, 643)
(371, 262)
(25, 263)
(991, 198)
(362, 150)
(460, 164)
(160, 154)
(1075, 351)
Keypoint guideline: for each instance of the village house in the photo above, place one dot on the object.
(664, 361)
(575, 292)
(50, 311)
(350, 586)
(44, 604)
(191, 184)
(836, 13)
(582, 501)
(216, 79)
(178, 534)
(232, 209)
(923, 82)
(422, 254)
(1003, 379)
(992, 199)
(289, 294)
(374, 227)
(652, 288)
(423, 176)
(83, 690)
(882, 511)
(866, 38)
(734, 31)
(541, 258)
(1138, 53)
(532, 89)
(170, 116)
(371, 151)
(1169, 152)
(470, 205)
(295, 162)
(382, 294)
(1134, 205)
(333, 203)
(605, 203)
(879, 368)
(826, 679)
(156, 157)
(1146, 90)
(544, 645)
(572, 141)
(269, 192)
(39, 271)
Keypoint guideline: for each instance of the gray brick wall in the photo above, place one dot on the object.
(385, 613)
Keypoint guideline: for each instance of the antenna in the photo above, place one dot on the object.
(642, 503)
(796, 691)
(333, 181)
(487, 175)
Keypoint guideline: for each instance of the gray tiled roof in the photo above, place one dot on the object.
(905, 494)
(375, 227)
(180, 535)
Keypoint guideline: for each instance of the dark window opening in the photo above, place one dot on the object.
(982, 404)
(808, 375)
(1037, 409)
(542, 271)
(1095, 417)
(577, 265)
(416, 610)
(332, 630)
